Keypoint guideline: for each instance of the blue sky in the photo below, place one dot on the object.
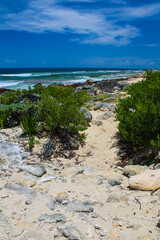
(80, 33)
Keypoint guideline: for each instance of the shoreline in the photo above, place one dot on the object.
(132, 79)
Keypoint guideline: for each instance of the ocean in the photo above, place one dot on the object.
(23, 78)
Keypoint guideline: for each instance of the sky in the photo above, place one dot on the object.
(80, 33)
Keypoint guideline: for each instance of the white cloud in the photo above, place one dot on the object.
(131, 13)
(100, 26)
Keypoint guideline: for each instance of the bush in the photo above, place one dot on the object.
(10, 114)
(4, 114)
(139, 113)
(9, 97)
(60, 108)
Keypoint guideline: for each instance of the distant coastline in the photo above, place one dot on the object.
(24, 77)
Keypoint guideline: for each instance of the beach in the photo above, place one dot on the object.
(80, 196)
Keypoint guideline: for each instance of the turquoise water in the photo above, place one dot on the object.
(23, 78)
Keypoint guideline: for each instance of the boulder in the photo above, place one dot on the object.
(86, 113)
(132, 170)
(148, 180)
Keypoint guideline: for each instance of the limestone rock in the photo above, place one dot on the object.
(56, 217)
(110, 106)
(132, 170)
(104, 116)
(79, 207)
(148, 180)
(36, 170)
(21, 189)
(114, 182)
(47, 178)
(11, 152)
(70, 232)
(86, 113)
(97, 106)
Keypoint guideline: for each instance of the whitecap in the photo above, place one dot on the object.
(8, 84)
(17, 75)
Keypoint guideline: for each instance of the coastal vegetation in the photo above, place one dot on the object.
(53, 109)
(139, 116)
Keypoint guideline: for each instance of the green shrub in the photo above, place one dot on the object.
(60, 108)
(10, 114)
(139, 113)
(4, 117)
(9, 97)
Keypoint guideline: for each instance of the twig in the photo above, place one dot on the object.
(102, 218)
(153, 191)
(139, 203)
(17, 235)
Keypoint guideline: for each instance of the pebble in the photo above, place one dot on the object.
(51, 205)
(59, 200)
(97, 227)
(94, 215)
(43, 217)
(48, 178)
(79, 207)
(70, 232)
(28, 202)
(104, 233)
(5, 196)
(57, 217)
(16, 216)
(114, 182)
